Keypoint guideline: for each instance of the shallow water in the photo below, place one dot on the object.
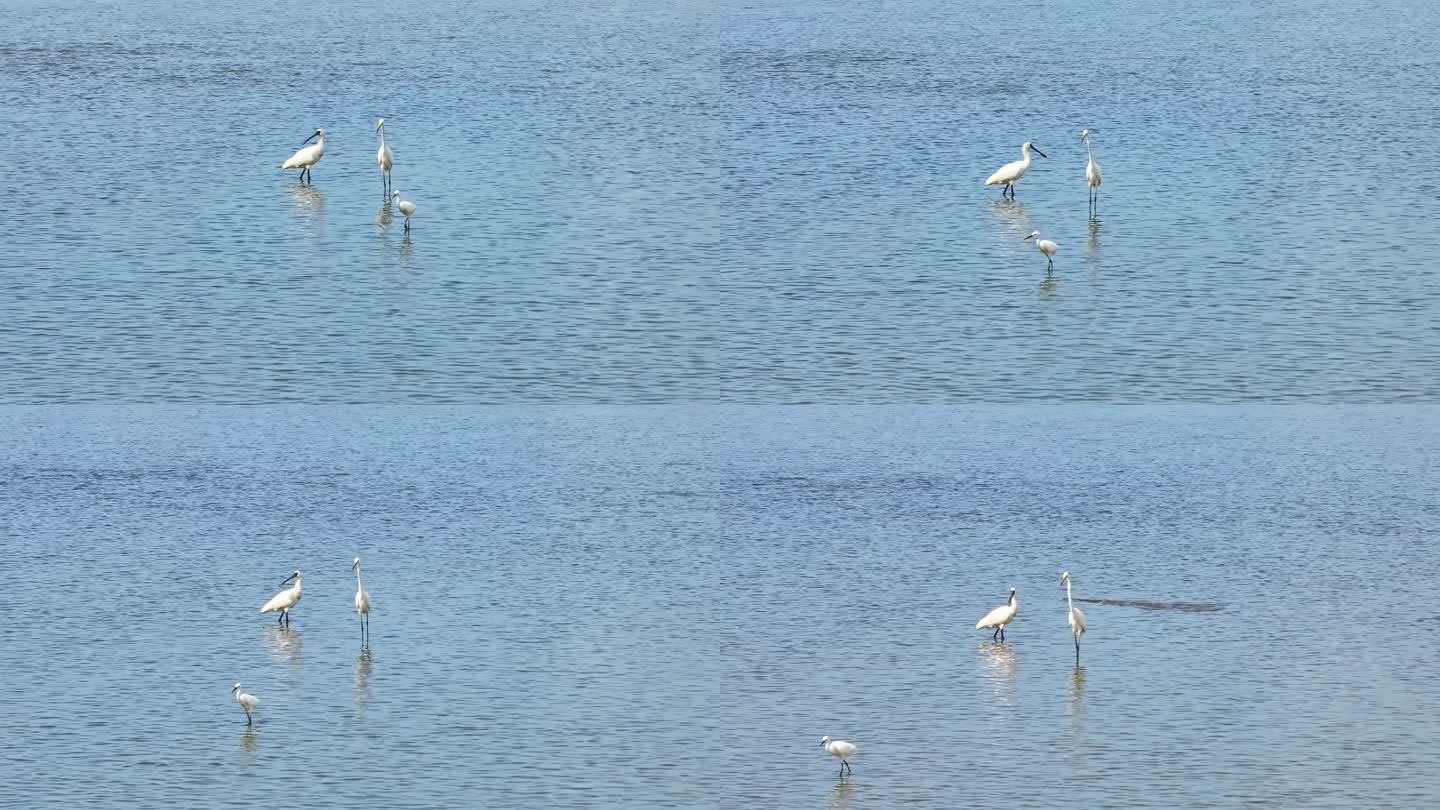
(668, 606)
(681, 202)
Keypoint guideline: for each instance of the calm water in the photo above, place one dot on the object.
(682, 202)
(639, 579)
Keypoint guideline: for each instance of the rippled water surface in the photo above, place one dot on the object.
(760, 201)
(668, 606)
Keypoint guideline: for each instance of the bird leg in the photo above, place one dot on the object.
(1002, 632)
(249, 721)
(995, 636)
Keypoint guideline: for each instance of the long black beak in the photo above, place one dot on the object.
(1037, 149)
(233, 691)
(287, 579)
(312, 137)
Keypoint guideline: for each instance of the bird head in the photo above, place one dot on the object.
(295, 575)
(824, 741)
(319, 133)
(355, 564)
(1031, 235)
(395, 194)
(236, 689)
(1084, 134)
(380, 125)
(1026, 147)
(1064, 577)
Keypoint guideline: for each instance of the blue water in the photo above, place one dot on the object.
(762, 202)
(711, 400)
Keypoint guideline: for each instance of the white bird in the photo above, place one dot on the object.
(1076, 618)
(406, 207)
(247, 702)
(841, 750)
(1010, 172)
(999, 617)
(285, 600)
(1046, 247)
(362, 601)
(385, 158)
(1092, 170)
(307, 156)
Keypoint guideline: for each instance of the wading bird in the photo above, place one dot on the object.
(406, 207)
(999, 617)
(841, 750)
(247, 702)
(285, 600)
(1010, 172)
(385, 158)
(1076, 618)
(362, 602)
(1046, 247)
(307, 156)
(1092, 171)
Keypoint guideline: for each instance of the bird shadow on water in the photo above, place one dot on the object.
(286, 644)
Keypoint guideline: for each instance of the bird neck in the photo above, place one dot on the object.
(382, 136)
(1089, 152)
(359, 583)
(1068, 601)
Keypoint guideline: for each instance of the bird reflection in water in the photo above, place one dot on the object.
(997, 659)
(362, 675)
(285, 643)
(842, 794)
(1049, 286)
(248, 741)
(307, 198)
(383, 217)
(1012, 214)
(1077, 687)
(1092, 242)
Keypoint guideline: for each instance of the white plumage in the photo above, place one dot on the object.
(1000, 616)
(362, 601)
(1010, 172)
(247, 702)
(841, 750)
(406, 207)
(1075, 618)
(1046, 247)
(285, 600)
(1092, 170)
(308, 156)
(385, 157)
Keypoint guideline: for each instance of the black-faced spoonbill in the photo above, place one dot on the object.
(1010, 172)
(1046, 247)
(247, 702)
(999, 617)
(307, 156)
(385, 158)
(1076, 618)
(406, 207)
(1092, 171)
(285, 600)
(841, 750)
(362, 602)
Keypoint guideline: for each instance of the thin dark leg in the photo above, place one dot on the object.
(1002, 632)
(249, 721)
(995, 636)
(1077, 651)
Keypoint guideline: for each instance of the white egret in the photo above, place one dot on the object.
(385, 158)
(841, 750)
(1092, 170)
(362, 601)
(307, 156)
(406, 207)
(1010, 172)
(999, 617)
(1046, 247)
(1076, 618)
(247, 702)
(285, 600)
